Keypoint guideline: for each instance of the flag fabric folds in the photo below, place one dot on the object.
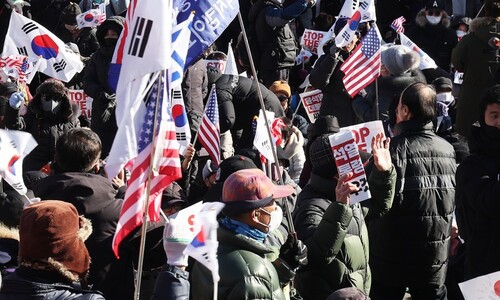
(209, 131)
(138, 53)
(167, 170)
(91, 18)
(426, 62)
(28, 38)
(182, 130)
(363, 65)
(397, 24)
(482, 287)
(180, 46)
(204, 246)
(14, 145)
(231, 67)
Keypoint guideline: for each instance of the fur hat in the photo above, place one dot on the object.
(52, 238)
(69, 13)
(399, 59)
(55, 89)
(281, 86)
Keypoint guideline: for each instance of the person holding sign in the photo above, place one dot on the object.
(332, 228)
(409, 245)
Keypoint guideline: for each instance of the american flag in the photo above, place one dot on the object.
(209, 132)
(15, 66)
(168, 169)
(397, 24)
(363, 65)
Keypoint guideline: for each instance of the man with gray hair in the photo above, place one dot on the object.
(409, 245)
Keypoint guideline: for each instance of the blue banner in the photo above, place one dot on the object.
(211, 18)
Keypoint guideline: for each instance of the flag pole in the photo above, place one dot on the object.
(286, 208)
(377, 109)
(299, 105)
(145, 214)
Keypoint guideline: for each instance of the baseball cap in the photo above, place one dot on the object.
(246, 190)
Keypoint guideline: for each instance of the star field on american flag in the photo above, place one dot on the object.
(146, 136)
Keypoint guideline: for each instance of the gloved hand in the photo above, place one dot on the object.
(334, 51)
(175, 239)
(111, 98)
(294, 252)
(16, 99)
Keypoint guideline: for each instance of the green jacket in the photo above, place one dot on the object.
(475, 58)
(336, 235)
(244, 271)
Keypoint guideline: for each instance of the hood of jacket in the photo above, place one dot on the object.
(421, 20)
(114, 22)
(483, 28)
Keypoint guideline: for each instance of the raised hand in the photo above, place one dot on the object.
(381, 154)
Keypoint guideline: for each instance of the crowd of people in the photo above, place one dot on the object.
(288, 230)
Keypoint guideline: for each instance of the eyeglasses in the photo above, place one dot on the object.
(433, 12)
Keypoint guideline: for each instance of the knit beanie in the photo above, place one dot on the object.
(69, 13)
(399, 59)
(52, 238)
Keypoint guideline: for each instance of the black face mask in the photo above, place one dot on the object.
(110, 42)
(492, 132)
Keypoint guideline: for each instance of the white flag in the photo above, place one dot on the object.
(91, 18)
(426, 62)
(26, 37)
(482, 287)
(204, 246)
(365, 7)
(231, 67)
(182, 130)
(14, 146)
(261, 140)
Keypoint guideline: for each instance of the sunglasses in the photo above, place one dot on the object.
(283, 98)
(434, 12)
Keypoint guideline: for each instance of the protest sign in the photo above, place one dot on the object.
(218, 64)
(348, 160)
(311, 38)
(83, 101)
(364, 133)
(312, 103)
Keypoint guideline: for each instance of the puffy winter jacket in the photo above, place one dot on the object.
(409, 245)
(336, 235)
(245, 273)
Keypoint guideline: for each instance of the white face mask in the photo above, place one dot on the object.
(275, 217)
(50, 105)
(460, 33)
(446, 98)
(433, 20)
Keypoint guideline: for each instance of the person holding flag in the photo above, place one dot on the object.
(326, 75)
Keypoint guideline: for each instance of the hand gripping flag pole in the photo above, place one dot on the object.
(286, 208)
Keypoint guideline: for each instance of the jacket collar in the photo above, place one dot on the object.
(242, 242)
(413, 126)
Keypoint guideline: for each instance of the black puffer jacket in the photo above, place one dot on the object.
(95, 84)
(327, 77)
(409, 245)
(478, 192)
(239, 102)
(94, 197)
(437, 41)
(45, 127)
(26, 284)
(388, 88)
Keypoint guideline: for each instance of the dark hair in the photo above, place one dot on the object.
(77, 150)
(492, 8)
(491, 96)
(217, 55)
(420, 98)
